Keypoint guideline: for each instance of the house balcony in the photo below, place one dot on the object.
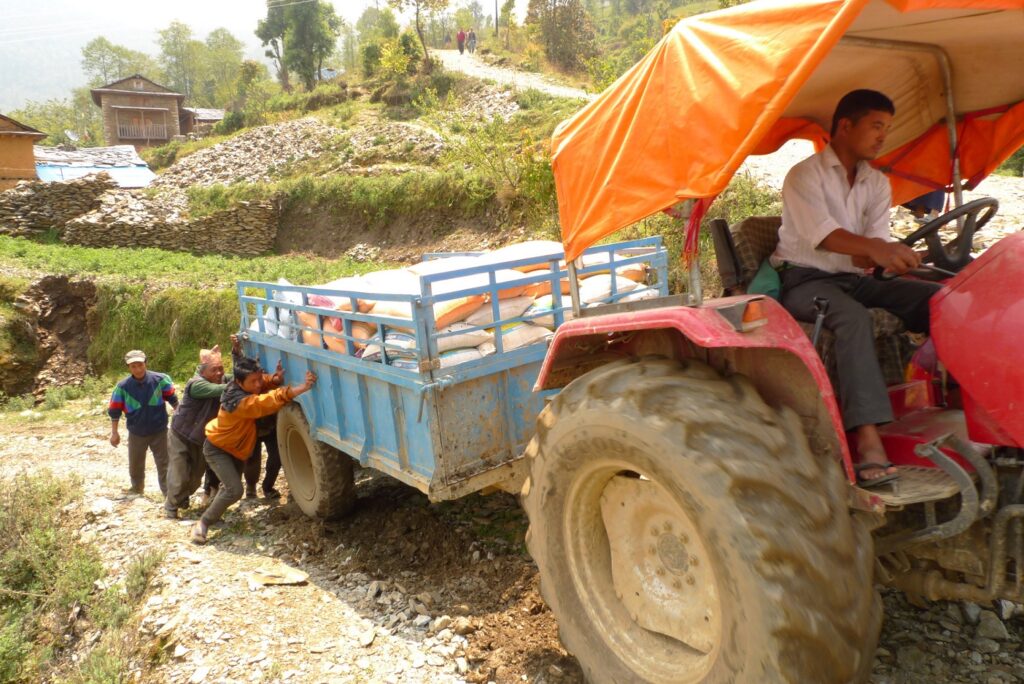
(147, 131)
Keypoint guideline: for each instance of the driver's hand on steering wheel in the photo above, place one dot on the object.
(894, 257)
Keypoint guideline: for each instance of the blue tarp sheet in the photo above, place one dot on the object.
(124, 176)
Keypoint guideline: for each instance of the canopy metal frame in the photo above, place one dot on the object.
(946, 69)
(696, 297)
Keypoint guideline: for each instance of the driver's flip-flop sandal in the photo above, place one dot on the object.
(869, 482)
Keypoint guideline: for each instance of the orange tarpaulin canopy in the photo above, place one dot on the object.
(727, 84)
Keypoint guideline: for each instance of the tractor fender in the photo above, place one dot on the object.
(776, 355)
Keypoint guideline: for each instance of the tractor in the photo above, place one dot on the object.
(692, 503)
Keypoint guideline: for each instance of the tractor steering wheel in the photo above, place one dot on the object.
(951, 257)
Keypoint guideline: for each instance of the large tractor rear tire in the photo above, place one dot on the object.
(320, 477)
(685, 532)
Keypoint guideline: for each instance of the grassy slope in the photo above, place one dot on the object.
(168, 303)
(45, 571)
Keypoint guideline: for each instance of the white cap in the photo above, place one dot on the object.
(135, 355)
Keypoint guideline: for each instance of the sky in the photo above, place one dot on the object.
(44, 37)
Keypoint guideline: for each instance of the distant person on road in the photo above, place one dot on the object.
(231, 436)
(200, 401)
(142, 398)
(471, 41)
(460, 38)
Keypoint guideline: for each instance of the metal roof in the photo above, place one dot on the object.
(205, 113)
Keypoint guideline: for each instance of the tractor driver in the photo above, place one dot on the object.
(835, 224)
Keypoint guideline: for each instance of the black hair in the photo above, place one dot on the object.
(244, 367)
(855, 104)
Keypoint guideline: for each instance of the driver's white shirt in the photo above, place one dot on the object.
(817, 199)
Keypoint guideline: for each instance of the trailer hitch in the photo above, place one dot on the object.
(973, 504)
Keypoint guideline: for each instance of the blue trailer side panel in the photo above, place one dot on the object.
(444, 430)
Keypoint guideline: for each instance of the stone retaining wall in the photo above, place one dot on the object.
(36, 207)
(246, 230)
(92, 211)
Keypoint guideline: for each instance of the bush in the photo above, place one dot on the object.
(371, 54)
(44, 571)
(163, 156)
(1014, 166)
(171, 325)
(231, 122)
(324, 95)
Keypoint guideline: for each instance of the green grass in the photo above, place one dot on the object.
(45, 571)
(171, 325)
(17, 347)
(165, 155)
(148, 265)
(376, 199)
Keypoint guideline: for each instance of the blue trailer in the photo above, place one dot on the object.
(448, 430)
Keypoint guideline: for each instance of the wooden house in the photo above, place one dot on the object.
(138, 112)
(17, 159)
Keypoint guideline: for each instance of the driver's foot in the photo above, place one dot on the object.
(874, 455)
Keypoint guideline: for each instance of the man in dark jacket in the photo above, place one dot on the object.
(199, 403)
(142, 398)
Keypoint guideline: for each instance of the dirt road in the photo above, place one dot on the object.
(472, 65)
(401, 591)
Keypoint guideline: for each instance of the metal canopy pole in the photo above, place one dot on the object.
(574, 288)
(947, 79)
(696, 289)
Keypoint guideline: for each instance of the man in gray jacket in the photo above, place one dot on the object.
(199, 404)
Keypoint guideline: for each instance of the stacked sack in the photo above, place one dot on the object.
(465, 324)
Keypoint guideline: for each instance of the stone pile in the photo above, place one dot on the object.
(487, 102)
(252, 156)
(388, 141)
(126, 220)
(35, 206)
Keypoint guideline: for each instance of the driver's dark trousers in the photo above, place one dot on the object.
(863, 398)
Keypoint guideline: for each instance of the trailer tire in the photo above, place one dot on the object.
(685, 532)
(320, 477)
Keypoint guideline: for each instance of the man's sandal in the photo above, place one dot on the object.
(869, 482)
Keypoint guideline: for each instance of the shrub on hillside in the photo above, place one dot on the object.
(163, 156)
(371, 53)
(231, 122)
(324, 95)
(47, 574)
(1014, 166)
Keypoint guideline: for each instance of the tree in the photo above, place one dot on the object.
(464, 19)
(74, 121)
(420, 8)
(221, 64)
(508, 20)
(105, 62)
(440, 25)
(374, 24)
(180, 57)
(249, 72)
(271, 32)
(349, 48)
(565, 31)
(301, 35)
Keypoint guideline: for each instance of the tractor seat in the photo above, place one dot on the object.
(740, 249)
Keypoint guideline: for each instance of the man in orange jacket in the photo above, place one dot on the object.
(230, 436)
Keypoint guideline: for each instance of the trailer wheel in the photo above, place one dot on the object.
(685, 532)
(320, 477)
